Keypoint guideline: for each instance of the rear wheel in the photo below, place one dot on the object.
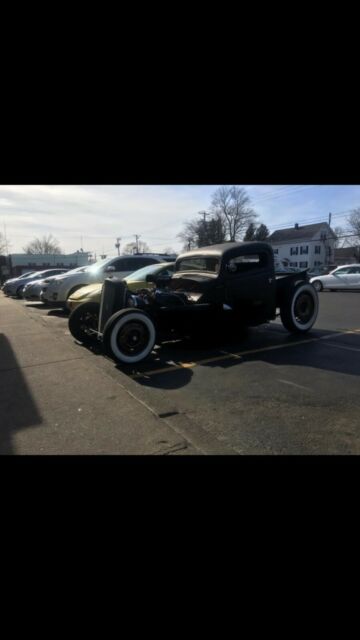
(129, 336)
(84, 318)
(299, 311)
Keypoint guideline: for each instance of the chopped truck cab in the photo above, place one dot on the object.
(233, 283)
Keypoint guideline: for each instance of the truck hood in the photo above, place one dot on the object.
(192, 281)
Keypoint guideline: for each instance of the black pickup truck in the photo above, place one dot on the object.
(231, 283)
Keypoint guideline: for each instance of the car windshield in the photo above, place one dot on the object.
(152, 269)
(199, 264)
(77, 270)
(33, 276)
(98, 265)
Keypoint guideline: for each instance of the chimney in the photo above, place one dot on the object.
(296, 225)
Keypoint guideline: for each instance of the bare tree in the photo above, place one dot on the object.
(189, 235)
(233, 205)
(203, 233)
(130, 248)
(42, 246)
(354, 222)
(339, 241)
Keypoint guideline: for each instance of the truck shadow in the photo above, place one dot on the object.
(171, 365)
(18, 410)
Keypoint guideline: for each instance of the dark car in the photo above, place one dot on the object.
(212, 288)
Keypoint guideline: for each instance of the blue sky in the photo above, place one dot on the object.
(96, 215)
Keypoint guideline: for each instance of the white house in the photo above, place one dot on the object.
(307, 246)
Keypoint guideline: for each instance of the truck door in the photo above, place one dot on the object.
(250, 285)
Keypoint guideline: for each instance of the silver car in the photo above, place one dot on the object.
(345, 277)
(15, 286)
(32, 290)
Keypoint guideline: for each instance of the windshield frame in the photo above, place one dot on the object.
(215, 259)
(150, 269)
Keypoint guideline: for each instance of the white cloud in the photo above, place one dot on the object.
(100, 213)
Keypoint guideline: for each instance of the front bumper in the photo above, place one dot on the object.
(31, 296)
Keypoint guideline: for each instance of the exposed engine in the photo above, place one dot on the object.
(146, 298)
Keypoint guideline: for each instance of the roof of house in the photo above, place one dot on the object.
(300, 232)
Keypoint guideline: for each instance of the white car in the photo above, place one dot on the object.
(345, 277)
(33, 289)
(56, 292)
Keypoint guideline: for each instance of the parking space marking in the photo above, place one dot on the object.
(338, 346)
(293, 384)
(228, 356)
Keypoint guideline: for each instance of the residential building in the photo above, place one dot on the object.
(305, 246)
(347, 255)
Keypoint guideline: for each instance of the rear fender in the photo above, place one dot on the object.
(285, 285)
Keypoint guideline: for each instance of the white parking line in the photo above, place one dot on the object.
(338, 346)
(226, 355)
(293, 384)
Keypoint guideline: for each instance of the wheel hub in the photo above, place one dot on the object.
(304, 308)
(133, 338)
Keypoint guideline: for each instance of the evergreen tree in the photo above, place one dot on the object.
(250, 232)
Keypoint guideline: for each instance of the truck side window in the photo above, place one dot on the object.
(246, 263)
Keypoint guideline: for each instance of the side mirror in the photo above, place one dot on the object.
(109, 269)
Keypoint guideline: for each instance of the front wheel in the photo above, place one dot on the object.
(129, 336)
(299, 311)
(82, 320)
(318, 285)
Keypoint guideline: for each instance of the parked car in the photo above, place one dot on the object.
(213, 288)
(10, 280)
(134, 282)
(32, 290)
(57, 292)
(15, 286)
(321, 271)
(344, 277)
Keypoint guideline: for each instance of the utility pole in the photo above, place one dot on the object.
(204, 213)
(117, 245)
(329, 219)
(137, 242)
(204, 240)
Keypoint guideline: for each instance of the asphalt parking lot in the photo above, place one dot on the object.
(264, 392)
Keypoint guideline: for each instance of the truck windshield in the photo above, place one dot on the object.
(199, 264)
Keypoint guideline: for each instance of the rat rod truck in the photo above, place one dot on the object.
(232, 284)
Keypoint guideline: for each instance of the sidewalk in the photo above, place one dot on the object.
(53, 400)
